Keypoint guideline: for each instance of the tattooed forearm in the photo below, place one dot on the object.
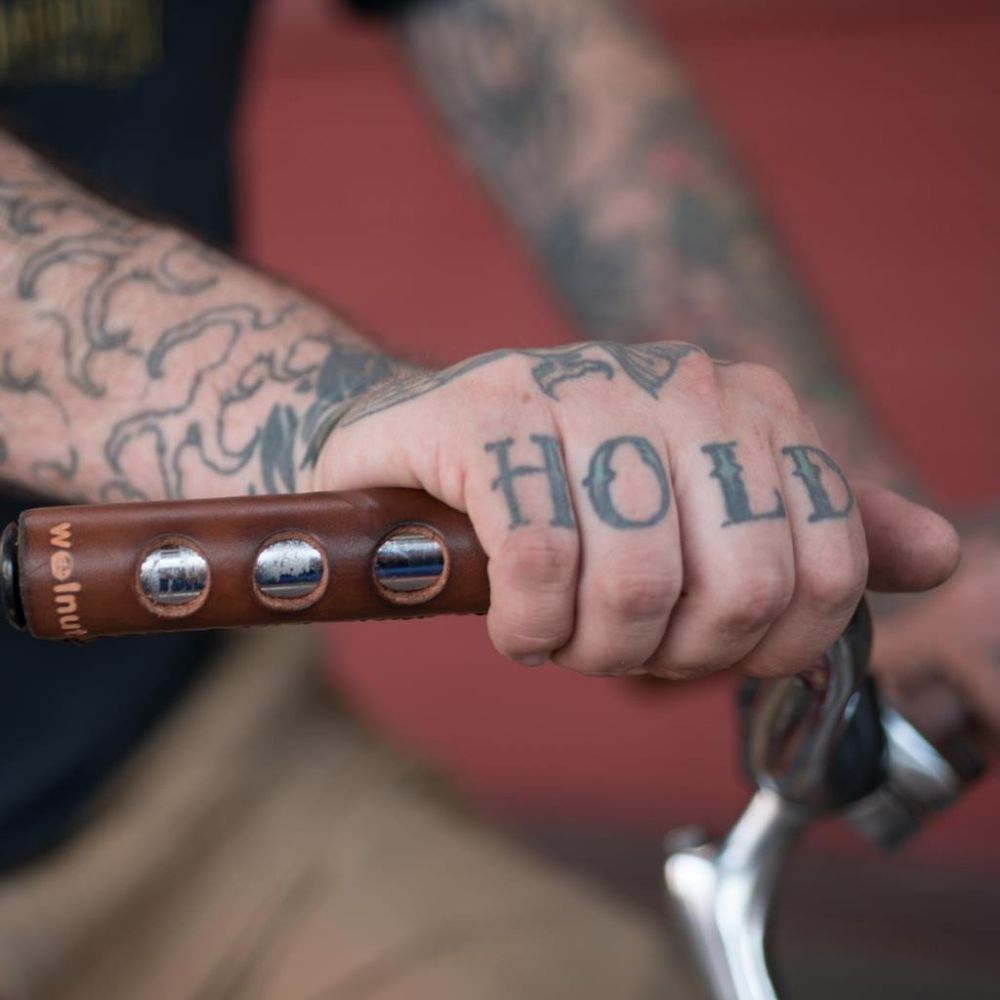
(136, 363)
(586, 133)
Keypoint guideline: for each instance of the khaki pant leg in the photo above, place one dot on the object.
(264, 846)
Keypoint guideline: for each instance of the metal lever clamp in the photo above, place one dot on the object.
(815, 744)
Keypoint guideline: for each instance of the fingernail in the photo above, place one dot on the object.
(532, 659)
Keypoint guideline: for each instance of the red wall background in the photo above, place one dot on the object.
(870, 130)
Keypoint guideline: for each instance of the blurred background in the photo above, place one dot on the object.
(870, 131)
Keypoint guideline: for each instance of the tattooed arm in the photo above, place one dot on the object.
(137, 363)
(643, 508)
(584, 130)
(717, 532)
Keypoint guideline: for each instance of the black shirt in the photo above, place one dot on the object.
(138, 95)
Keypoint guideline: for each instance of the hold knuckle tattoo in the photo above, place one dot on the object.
(826, 487)
(601, 476)
(728, 473)
(551, 469)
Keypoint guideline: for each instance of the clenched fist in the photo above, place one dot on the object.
(644, 508)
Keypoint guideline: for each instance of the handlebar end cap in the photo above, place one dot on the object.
(10, 591)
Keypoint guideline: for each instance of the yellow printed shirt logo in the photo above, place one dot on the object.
(97, 42)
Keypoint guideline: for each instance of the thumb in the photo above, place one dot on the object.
(370, 444)
(910, 548)
(370, 453)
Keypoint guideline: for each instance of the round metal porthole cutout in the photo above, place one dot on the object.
(290, 571)
(411, 565)
(173, 578)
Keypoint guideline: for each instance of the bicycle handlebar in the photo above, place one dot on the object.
(86, 571)
(815, 743)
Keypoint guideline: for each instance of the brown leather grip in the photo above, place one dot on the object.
(78, 567)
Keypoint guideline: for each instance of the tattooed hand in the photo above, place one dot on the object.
(643, 508)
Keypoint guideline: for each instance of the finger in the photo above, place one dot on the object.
(737, 552)
(910, 547)
(630, 574)
(501, 464)
(520, 505)
(831, 560)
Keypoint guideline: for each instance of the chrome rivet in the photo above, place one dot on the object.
(289, 569)
(173, 575)
(409, 562)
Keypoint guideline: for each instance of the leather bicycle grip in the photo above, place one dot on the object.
(85, 571)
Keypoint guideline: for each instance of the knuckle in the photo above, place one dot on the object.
(498, 387)
(833, 589)
(640, 594)
(771, 388)
(541, 559)
(754, 602)
(701, 372)
(515, 634)
(533, 584)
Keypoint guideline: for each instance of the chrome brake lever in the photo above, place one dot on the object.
(814, 744)
(926, 769)
(719, 895)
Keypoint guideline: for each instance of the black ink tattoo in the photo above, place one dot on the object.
(583, 128)
(551, 467)
(601, 475)
(811, 474)
(232, 393)
(647, 366)
(729, 473)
